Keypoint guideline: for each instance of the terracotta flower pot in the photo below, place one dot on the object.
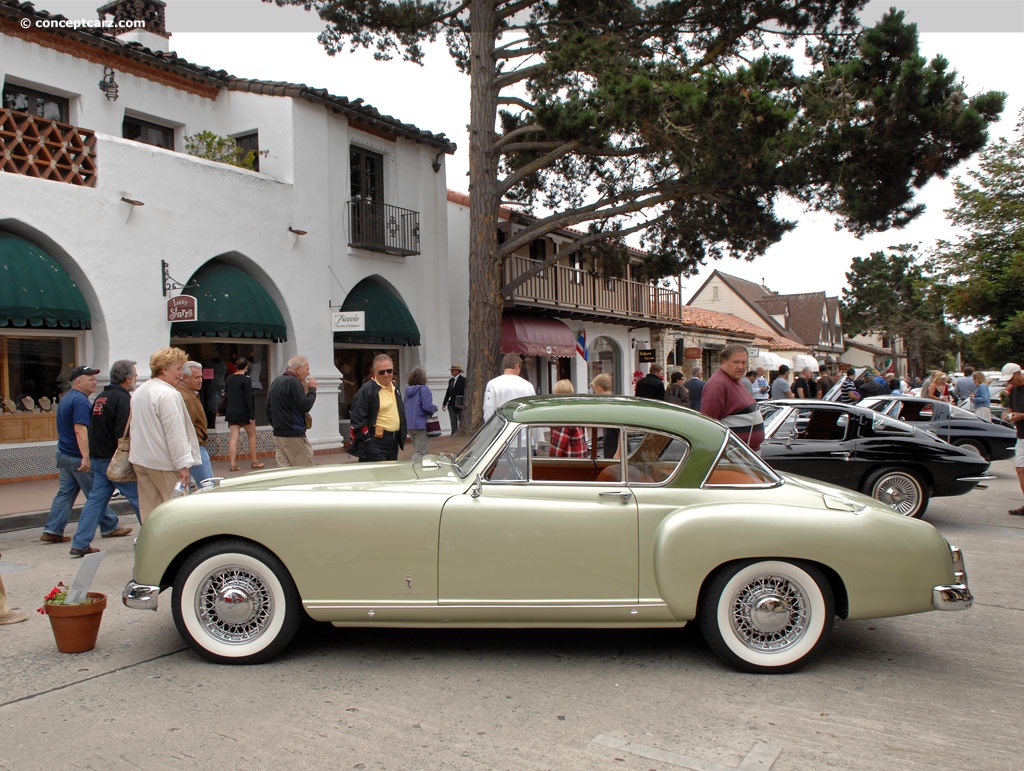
(75, 627)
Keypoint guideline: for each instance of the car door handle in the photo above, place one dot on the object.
(843, 455)
(622, 495)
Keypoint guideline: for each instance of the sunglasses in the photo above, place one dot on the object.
(385, 371)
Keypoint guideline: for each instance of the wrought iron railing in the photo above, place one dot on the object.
(46, 149)
(380, 227)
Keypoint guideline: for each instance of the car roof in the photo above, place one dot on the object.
(611, 410)
(820, 403)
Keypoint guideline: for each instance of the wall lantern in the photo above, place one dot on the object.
(108, 85)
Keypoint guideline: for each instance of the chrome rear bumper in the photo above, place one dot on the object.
(140, 596)
(955, 596)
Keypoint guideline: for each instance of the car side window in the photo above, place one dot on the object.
(821, 425)
(653, 457)
(560, 453)
(513, 464)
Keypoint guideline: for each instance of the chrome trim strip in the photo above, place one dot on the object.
(140, 596)
(451, 605)
(982, 478)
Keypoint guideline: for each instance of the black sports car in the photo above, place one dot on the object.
(863, 450)
(993, 441)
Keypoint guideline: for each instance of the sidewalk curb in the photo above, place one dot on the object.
(30, 519)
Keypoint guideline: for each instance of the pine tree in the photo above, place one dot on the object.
(680, 121)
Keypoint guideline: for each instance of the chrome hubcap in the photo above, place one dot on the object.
(769, 614)
(899, 493)
(234, 605)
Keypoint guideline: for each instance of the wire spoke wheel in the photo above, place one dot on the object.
(770, 613)
(235, 603)
(768, 616)
(900, 491)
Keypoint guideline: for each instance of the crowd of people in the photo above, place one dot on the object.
(167, 423)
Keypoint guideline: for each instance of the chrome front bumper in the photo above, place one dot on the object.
(140, 596)
(955, 596)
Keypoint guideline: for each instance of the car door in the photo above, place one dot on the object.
(813, 443)
(516, 539)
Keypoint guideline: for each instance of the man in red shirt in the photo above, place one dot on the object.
(728, 400)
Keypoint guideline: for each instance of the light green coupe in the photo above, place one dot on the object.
(662, 517)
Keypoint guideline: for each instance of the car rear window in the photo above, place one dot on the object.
(738, 466)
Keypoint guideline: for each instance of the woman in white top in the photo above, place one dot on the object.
(164, 444)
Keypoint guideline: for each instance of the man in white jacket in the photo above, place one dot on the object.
(164, 443)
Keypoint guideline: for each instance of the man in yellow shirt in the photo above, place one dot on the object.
(377, 417)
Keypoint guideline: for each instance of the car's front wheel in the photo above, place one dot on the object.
(767, 616)
(898, 489)
(235, 603)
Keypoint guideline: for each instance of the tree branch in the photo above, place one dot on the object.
(538, 163)
(517, 101)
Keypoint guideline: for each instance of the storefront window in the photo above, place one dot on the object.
(33, 375)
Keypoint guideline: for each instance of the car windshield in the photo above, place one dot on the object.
(479, 444)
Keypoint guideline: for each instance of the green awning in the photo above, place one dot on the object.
(35, 291)
(387, 318)
(229, 303)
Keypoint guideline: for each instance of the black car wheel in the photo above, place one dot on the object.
(235, 603)
(767, 616)
(975, 445)
(900, 490)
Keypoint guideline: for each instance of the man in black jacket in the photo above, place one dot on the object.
(652, 385)
(289, 400)
(107, 424)
(377, 417)
(455, 396)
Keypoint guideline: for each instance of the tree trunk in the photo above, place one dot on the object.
(485, 269)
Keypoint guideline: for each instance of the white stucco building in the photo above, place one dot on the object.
(103, 216)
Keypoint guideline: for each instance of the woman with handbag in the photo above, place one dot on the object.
(419, 408)
(240, 412)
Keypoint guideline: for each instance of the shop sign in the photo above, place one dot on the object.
(753, 353)
(348, 321)
(691, 353)
(182, 308)
(645, 355)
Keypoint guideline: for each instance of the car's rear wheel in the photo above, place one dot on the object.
(899, 490)
(767, 616)
(973, 444)
(235, 603)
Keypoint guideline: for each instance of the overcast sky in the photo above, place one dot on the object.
(247, 38)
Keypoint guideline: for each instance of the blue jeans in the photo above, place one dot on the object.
(204, 470)
(96, 511)
(71, 482)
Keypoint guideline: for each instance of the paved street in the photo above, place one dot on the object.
(935, 691)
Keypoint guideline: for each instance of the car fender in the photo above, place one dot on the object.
(881, 564)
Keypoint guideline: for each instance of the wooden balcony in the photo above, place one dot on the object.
(579, 294)
(379, 227)
(46, 149)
